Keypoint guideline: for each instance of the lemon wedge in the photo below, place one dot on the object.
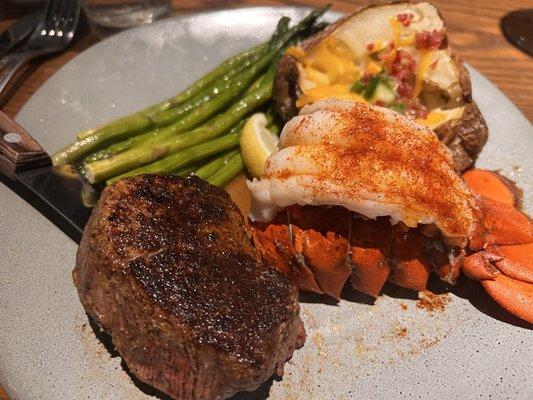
(257, 143)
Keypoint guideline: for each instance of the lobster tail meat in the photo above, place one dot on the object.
(370, 160)
(343, 173)
(361, 192)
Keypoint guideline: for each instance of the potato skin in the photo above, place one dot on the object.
(465, 136)
(286, 88)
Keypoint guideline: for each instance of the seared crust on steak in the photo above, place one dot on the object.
(166, 268)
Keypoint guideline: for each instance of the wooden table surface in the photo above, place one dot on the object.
(473, 28)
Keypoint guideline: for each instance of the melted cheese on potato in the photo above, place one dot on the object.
(332, 66)
(438, 116)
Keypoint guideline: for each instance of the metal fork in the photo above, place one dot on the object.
(52, 34)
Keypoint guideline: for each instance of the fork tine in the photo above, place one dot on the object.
(62, 16)
(73, 15)
(46, 12)
(49, 36)
(50, 16)
(70, 16)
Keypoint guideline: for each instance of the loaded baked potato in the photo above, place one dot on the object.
(396, 56)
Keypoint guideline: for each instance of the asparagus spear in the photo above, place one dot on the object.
(92, 142)
(238, 76)
(243, 80)
(214, 166)
(225, 71)
(79, 149)
(222, 70)
(193, 114)
(216, 96)
(188, 116)
(234, 166)
(182, 158)
(116, 148)
(188, 169)
(163, 117)
(245, 58)
(219, 75)
(119, 147)
(167, 142)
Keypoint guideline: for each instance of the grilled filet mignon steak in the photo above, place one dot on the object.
(166, 268)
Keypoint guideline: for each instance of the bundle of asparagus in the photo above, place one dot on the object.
(196, 131)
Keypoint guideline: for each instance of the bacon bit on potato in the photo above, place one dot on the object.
(405, 19)
(403, 68)
(426, 40)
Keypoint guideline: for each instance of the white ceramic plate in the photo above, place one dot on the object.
(47, 350)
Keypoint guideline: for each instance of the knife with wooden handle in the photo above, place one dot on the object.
(18, 150)
(58, 193)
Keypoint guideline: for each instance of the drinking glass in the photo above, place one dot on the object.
(107, 17)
